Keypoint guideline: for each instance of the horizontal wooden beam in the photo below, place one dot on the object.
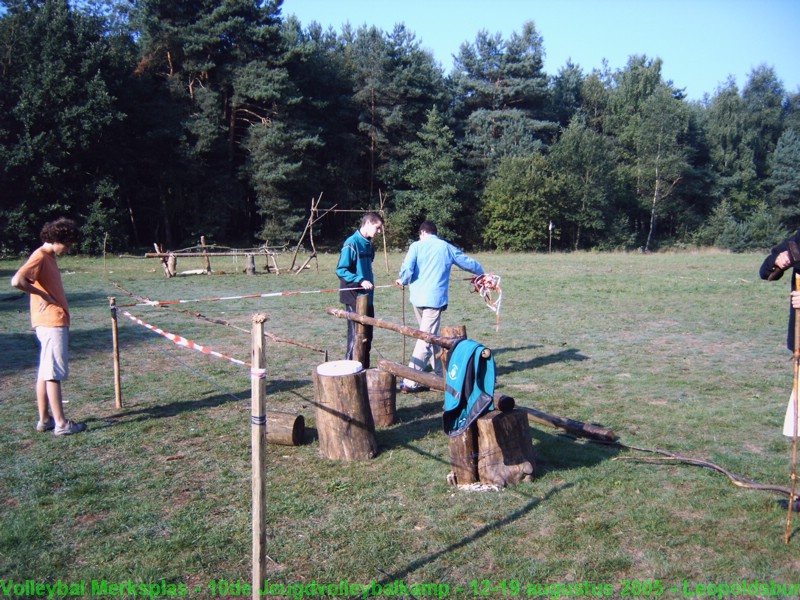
(427, 379)
(437, 340)
(203, 254)
(576, 428)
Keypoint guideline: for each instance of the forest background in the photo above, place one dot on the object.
(161, 121)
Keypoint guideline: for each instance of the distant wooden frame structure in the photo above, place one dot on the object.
(315, 215)
(169, 258)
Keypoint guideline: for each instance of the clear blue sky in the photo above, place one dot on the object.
(701, 42)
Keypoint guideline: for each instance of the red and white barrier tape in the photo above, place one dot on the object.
(182, 341)
(249, 296)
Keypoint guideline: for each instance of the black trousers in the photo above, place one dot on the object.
(351, 333)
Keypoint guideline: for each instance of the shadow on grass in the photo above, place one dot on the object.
(168, 410)
(509, 519)
(568, 355)
(498, 351)
(21, 349)
(562, 452)
(174, 409)
(19, 301)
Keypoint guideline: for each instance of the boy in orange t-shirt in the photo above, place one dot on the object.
(40, 278)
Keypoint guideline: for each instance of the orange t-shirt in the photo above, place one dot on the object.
(42, 270)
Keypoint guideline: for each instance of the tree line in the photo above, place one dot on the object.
(164, 120)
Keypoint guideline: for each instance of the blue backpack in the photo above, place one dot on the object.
(469, 386)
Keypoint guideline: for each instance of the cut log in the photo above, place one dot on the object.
(464, 456)
(344, 421)
(285, 429)
(505, 448)
(382, 397)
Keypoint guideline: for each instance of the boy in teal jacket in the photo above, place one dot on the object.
(355, 275)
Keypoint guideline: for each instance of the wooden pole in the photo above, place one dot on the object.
(115, 339)
(578, 428)
(403, 304)
(205, 254)
(309, 223)
(437, 340)
(258, 442)
(794, 417)
(401, 371)
(360, 352)
(383, 230)
(164, 255)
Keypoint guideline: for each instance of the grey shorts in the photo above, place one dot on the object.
(54, 356)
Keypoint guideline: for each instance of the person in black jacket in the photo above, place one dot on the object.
(784, 256)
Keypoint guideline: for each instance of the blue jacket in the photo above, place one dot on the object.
(427, 267)
(355, 265)
(469, 387)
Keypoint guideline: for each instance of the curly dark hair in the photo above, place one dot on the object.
(60, 231)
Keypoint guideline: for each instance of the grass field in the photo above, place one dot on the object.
(684, 352)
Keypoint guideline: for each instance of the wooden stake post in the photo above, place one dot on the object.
(795, 401)
(115, 340)
(205, 254)
(360, 352)
(258, 442)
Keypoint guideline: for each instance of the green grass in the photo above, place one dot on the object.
(683, 352)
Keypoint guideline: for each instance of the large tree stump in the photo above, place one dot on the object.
(382, 397)
(285, 429)
(505, 448)
(344, 421)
